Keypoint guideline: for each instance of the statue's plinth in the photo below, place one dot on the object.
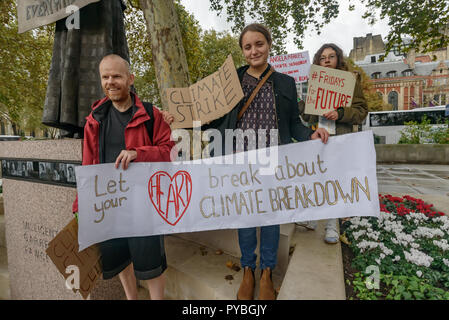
(37, 206)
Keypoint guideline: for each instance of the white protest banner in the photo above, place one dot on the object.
(329, 89)
(296, 65)
(206, 100)
(36, 13)
(312, 181)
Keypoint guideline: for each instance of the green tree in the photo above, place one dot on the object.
(205, 51)
(24, 63)
(306, 16)
(216, 46)
(425, 21)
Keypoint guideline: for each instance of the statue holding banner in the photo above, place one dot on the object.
(74, 82)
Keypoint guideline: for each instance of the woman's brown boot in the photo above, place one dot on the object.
(266, 291)
(246, 290)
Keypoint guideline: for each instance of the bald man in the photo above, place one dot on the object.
(115, 132)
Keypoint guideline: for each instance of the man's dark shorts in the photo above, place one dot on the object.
(146, 253)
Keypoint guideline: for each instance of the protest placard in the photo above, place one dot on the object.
(296, 65)
(329, 89)
(36, 13)
(311, 181)
(206, 100)
(63, 250)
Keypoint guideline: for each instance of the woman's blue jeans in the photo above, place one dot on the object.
(269, 243)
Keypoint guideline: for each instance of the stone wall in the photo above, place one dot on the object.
(413, 153)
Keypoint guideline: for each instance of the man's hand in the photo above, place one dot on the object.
(168, 117)
(320, 133)
(332, 115)
(125, 157)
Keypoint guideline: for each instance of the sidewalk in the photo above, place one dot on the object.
(427, 182)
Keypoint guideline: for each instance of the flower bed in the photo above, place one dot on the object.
(403, 254)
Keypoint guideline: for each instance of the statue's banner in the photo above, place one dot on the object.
(296, 65)
(206, 100)
(36, 13)
(311, 181)
(329, 89)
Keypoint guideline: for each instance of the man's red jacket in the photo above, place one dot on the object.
(136, 136)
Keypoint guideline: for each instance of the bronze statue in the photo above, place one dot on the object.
(74, 82)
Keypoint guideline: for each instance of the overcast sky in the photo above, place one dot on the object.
(341, 31)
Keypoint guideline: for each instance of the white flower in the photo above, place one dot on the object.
(442, 244)
(364, 244)
(429, 233)
(418, 217)
(419, 273)
(419, 258)
(358, 234)
(444, 220)
(446, 262)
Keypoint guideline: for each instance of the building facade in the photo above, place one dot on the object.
(406, 81)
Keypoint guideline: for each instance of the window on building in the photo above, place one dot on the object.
(392, 74)
(373, 59)
(393, 99)
(436, 99)
(407, 73)
(375, 75)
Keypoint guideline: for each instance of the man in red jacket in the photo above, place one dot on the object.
(115, 132)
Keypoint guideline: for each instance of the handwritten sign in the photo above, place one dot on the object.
(296, 65)
(311, 181)
(329, 89)
(36, 13)
(63, 251)
(206, 100)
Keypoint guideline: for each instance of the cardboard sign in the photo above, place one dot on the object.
(329, 89)
(63, 250)
(296, 65)
(36, 13)
(206, 100)
(309, 181)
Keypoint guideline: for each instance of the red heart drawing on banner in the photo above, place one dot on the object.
(170, 196)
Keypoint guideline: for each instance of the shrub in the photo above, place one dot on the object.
(424, 132)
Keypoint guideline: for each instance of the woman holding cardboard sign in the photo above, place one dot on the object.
(331, 56)
(270, 103)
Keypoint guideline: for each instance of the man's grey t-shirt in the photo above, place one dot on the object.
(114, 140)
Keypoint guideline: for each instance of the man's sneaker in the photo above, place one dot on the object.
(309, 225)
(332, 235)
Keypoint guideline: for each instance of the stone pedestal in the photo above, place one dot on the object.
(34, 213)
